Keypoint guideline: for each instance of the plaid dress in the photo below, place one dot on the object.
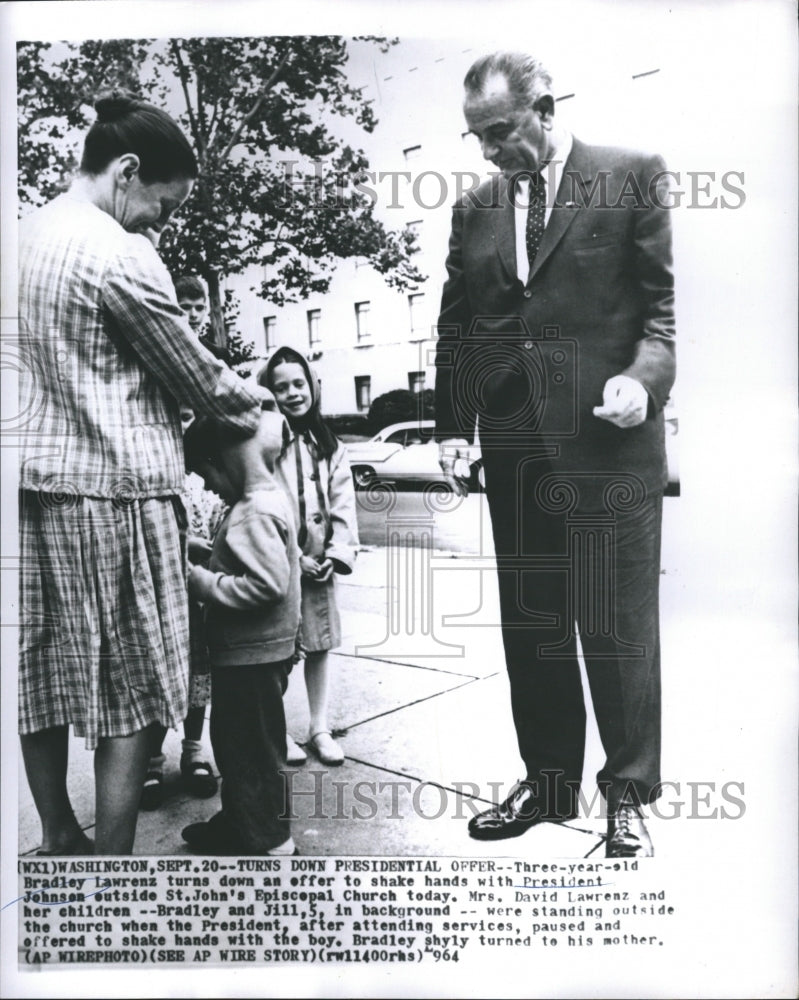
(103, 614)
(108, 356)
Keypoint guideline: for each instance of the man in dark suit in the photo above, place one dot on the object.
(556, 339)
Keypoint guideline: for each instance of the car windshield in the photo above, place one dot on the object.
(407, 435)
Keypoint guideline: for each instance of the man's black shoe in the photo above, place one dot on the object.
(520, 810)
(627, 834)
(209, 838)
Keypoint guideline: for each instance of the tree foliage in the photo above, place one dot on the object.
(399, 405)
(278, 187)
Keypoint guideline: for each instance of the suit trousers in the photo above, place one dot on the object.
(248, 735)
(566, 569)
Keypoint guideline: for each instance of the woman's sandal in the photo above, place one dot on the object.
(198, 778)
(152, 793)
(326, 748)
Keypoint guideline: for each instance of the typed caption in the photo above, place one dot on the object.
(211, 911)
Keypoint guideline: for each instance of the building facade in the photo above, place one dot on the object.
(364, 338)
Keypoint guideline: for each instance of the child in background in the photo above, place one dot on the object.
(193, 301)
(204, 510)
(190, 293)
(251, 593)
(317, 474)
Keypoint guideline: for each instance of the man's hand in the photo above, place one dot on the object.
(453, 457)
(624, 402)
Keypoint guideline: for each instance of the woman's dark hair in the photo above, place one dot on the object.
(313, 420)
(126, 124)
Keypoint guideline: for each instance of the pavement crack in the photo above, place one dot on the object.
(416, 777)
(410, 704)
(415, 666)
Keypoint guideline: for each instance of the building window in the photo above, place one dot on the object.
(412, 152)
(269, 332)
(416, 307)
(314, 335)
(362, 321)
(363, 392)
(416, 381)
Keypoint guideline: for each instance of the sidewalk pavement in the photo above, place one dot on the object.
(420, 704)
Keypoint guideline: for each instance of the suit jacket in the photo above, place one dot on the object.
(530, 360)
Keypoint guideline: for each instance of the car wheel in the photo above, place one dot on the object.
(363, 476)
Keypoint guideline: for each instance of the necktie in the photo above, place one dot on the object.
(534, 229)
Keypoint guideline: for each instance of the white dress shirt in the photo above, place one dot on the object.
(551, 172)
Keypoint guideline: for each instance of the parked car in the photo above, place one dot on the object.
(405, 453)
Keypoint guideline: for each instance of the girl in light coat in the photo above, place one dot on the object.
(317, 475)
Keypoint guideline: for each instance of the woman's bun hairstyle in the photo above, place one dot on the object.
(115, 105)
(127, 124)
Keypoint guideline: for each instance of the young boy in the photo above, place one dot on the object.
(251, 593)
(190, 292)
(193, 301)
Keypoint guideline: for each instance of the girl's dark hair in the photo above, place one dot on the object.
(126, 124)
(313, 420)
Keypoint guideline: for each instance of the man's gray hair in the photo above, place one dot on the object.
(526, 77)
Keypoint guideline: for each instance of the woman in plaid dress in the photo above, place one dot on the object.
(109, 358)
